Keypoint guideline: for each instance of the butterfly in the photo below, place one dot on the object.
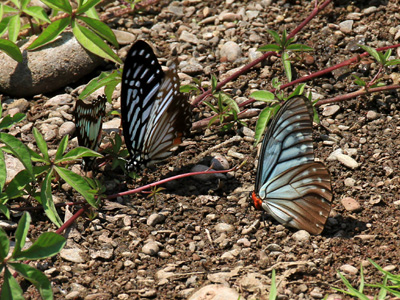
(88, 122)
(290, 185)
(155, 115)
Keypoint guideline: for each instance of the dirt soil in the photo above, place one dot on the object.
(206, 231)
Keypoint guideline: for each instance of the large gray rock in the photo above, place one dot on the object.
(47, 69)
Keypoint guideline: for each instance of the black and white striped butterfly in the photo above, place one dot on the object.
(88, 122)
(290, 185)
(155, 115)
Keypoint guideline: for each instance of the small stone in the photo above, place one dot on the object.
(273, 247)
(301, 236)
(316, 293)
(66, 128)
(124, 37)
(350, 182)
(370, 10)
(365, 237)
(219, 162)
(245, 242)
(72, 295)
(73, 255)
(151, 248)
(372, 115)
(346, 26)
(330, 110)
(354, 16)
(224, 227)
(390, 268)
(348, 269)
(215, 292)
(155, 219)
(228, 16)
(230, 51)
(334, 297)
(189, 37)
(350, 204)
(347, 161)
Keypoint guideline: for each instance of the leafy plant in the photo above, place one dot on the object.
(284, 46)
(384, 288)
(91, 36)
(47, 245)
(383, 60)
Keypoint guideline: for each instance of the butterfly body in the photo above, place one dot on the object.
(290, 185)
(155, 115)
(88, 122)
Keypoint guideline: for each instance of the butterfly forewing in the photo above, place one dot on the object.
(154, 113)
(293, 188)
(88, 122)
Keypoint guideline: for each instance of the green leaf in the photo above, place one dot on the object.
(212, 107)
(264, 96)
(3, 170)
(4, 244)
(393, 62)
(270, 47)
(352, 291)
(15, 188)
(273, 292)
(105, 78)
(11, 50)
(16, 3)
(13, 28)
(359, 81)
(92, 13)
(61, 148)
(47, 201)
(35, 157)
(37, 278)
(18, 149)
(109, 90)
(78, 153)
(297, 91)
(284, 41)
(37, 12)
(230, 102)
(287, 66)
(21, 233)
(101, 29)
(214, 83)
(4, 209)
(92, 42)
(263, 119)
(24, 3)
(10, 288)
(387, 55)
(299, 47)
(276, 37)
(62, 5)
(371, 51)
(87, 5)
(187, 88)
(50, 33)
(41, 144)
(48, 244)
(78, 183)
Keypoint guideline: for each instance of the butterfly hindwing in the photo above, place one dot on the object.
(293, 188)
(155, 115)
(88, 122)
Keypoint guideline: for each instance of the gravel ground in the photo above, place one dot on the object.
(202, 231)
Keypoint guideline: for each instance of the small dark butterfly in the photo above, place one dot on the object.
(88, 122)
(290, 185)
(155, 115)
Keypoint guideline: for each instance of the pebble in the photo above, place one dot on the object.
(334, 297)
(347, 161)
(316, 293)
(155, 219)
(13, 167)
(350, 204)
(273, 247)
(124, 37)
(224, 227)
(243, 241)
(330, 110)
(301, 236)
(230, 51)
(369, 10)
(150, 248)
(73, 255)
(346, 26)
(372, 115)
(219, 162)
(348, 269)
(215, 292)
(350, 182)
(66, 128)
(228, 16)
(51, 67)
(72, 295)
(58, 100)
(365, 237)
(189, 37)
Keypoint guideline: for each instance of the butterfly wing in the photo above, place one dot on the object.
(88, 122)
(154, 113)
(170, 120)
(293, 188)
